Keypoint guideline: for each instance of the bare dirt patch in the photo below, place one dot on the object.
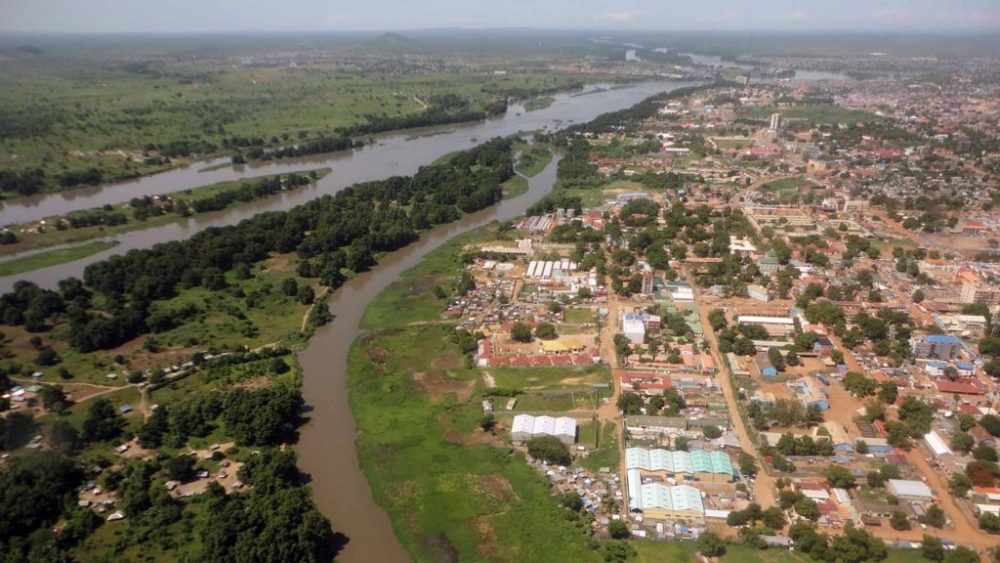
(436, 387)
(487, 545)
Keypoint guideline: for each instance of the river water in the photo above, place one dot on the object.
(391, 154)
(326, 447)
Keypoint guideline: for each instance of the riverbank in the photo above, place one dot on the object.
(55, 231)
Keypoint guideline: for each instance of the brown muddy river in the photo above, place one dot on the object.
(326, 448)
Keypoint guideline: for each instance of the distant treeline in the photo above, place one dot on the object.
(329, 234)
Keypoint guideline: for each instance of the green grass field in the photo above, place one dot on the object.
(686, 552)
(785, 185)
(32, 239)
(818, 113)
(53, 257)
(472, 497)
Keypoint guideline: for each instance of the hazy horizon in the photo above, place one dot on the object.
(304, 16)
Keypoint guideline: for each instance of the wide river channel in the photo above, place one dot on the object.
(326, 446)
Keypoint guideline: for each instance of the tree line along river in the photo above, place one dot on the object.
(326, 446)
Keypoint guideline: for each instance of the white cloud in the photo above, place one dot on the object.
(624, 16)
(335, 20)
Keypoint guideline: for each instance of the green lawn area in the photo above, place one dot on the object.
(579, 315)
(550, 378)
(686, 552)
(785, 185)
(664, 552)
(418, 407)
(816, 113)
(53, 257)
(904, 243)
(607, 454)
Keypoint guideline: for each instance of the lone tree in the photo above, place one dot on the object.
(520, 332)
(546, 331)
(549, 449)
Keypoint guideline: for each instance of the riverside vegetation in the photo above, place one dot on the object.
(230, 305)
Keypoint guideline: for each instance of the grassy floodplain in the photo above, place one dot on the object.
(473, 497)
(53, 257)
(121, 112)
(541, 102)
(30, 237)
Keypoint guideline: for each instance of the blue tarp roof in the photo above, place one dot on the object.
(942, 339)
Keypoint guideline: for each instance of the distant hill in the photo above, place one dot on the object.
(391, 42)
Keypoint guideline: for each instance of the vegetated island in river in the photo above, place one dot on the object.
(54, 257)
(205, 329)
(148, 212)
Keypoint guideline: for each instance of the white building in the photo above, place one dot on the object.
(936, 444)
(634, 328)
(910, 490)
(760, 293)
(526, 427)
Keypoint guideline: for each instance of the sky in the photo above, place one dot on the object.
(337, 15)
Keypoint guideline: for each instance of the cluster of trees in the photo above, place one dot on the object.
(670, 403)
(103, 216)
(853, 546)
(773, 517)
(315, 146)
(785, 413)
(25, 182)
(248, 191)
(550, 450)
(789, 444)
(88, 177)
(254, 417)
(329, 233)
(36, 490)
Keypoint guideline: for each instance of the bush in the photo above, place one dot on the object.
(619, 530)
(711, 545)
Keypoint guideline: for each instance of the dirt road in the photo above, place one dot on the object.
(609, 411)
(763, 489)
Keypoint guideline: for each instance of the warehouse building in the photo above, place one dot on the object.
(526, 427)
(676, 503)
(697, 464)
(906, 489)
